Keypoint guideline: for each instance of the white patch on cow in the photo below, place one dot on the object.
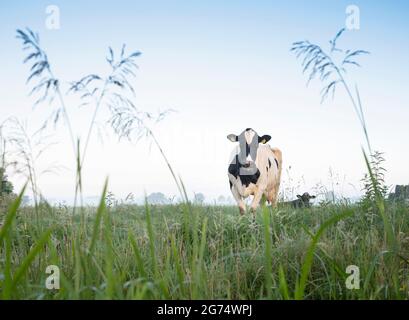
(235, 152)
(249, 135)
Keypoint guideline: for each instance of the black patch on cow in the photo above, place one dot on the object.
(247, 179)
(248, 129)
(267, 168)
(247, 150)
(234, 170)
(269, 163)
(231, 184)
(276, 162)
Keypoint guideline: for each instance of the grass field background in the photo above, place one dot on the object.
(201, 252)
(185, 251)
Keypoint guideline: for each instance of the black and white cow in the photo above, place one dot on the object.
(254, 169)
(302, 201)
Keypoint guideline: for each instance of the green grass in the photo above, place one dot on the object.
(203, 252)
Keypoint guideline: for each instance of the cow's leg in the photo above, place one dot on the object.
(273, 197)
(256, 200)
(239, 200)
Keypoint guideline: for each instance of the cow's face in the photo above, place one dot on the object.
(305, 198)
(248, 141)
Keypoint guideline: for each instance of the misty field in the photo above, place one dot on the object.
(202, 252)
(116, 250)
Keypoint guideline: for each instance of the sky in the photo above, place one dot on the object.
(223, 67)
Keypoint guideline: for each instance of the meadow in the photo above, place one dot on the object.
(185, 251)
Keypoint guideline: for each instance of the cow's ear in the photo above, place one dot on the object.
(298, 196)
(232, 138)
(264, 139)
(313, 197)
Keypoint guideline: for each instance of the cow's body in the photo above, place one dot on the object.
(256, 177)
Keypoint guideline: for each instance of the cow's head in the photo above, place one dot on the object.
(248, 141)
(305, 198)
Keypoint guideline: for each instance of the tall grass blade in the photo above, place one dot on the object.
(306, 266)
(151, 237)
(138, 256)
(38, 247)
(8, 221)
(179, 271)
(283, 283)
(100, 211)
(267, 252)
(154, 262)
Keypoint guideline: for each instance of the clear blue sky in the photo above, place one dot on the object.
(224, 67)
